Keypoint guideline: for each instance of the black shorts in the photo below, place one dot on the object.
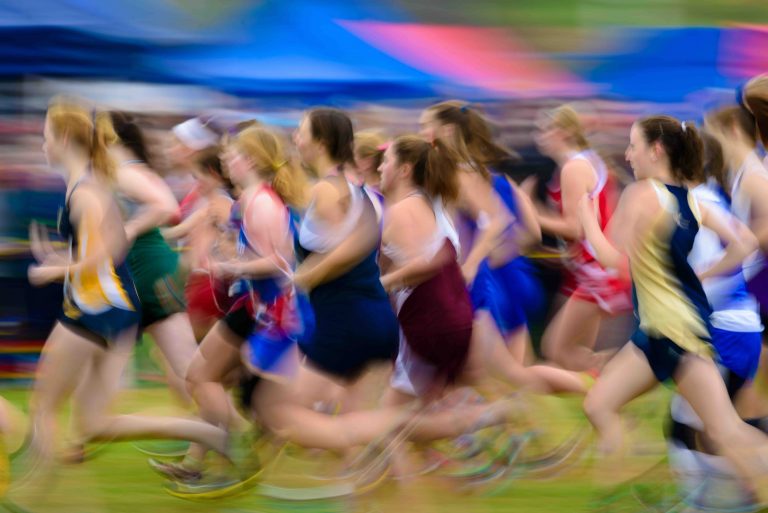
(240, 318)
(662, 354)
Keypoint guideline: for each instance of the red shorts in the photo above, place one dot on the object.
(207, 298)
(591, 282)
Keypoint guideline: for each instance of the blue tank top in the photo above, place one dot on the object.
(506, 193)
(268, 289)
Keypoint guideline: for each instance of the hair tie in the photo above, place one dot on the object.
(279, 164)
(683, 126)
(463, 109)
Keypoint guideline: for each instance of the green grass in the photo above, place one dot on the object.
(118, 480)
(588, 13)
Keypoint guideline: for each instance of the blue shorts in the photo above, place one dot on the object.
(102, 328)
(272, 345)
(523, 291)
(489, 291)
(662, 354)
(271, 353)
(738, 351)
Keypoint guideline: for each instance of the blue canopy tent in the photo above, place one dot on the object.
(60, 51)
(297, 48)
(658, 65)
(86, 38)
(265, 49)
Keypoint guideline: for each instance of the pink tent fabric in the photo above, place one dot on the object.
(491, 60)
(744, 51)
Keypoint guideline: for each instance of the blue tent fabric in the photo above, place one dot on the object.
(59, 51)
(660, 65)
(154, 21)
(297, 47)
(300, 48)
(270, 48)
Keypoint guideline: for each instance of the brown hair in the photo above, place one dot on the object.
(209, 162)
(267, 150)
(131, 135)
(755, 99)
(473, 139)
(91, 131)
(567, 119)
(333, 129)
(714, 163)
(681, 143)
(434, 166)
(735, 116)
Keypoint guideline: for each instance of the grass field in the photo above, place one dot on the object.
(589, 13)
(118, 480)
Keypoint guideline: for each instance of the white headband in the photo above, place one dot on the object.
(196, 136)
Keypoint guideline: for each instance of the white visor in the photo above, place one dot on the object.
(196, 136)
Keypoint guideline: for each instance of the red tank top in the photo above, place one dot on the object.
(604, 196)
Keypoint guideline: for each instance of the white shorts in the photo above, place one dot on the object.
(412, 375)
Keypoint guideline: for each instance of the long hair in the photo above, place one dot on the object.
(131, 135)
(265, 148)
(755, 100)
(333, 129)
(370, 145)
(473, 140)
(90, 131)
(735, 116)
(567, 119)
(681, 143)
(434, 166)
(714, 163)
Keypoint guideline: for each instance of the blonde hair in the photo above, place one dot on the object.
(91, 131)
(369, 144)
(566, 118)
(755, 99)
(273, 164)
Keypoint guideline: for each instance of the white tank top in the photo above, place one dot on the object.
(444, 230)
(319, 237)
(734, 308)
(741, 207)
(601, 172)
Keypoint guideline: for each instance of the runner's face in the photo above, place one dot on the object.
(639, 153)
(430, 127)
(304, 142)
(548, 137)
(238, 165)
(53, 147)
(389, 170)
